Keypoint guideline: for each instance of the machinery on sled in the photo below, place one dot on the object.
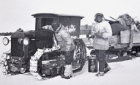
(26, 44)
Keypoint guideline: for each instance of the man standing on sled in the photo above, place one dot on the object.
(102, 31)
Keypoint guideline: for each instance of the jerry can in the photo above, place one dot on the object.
(92, 64)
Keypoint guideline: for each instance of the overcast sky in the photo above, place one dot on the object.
(16, 14)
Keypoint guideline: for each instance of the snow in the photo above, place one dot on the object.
(122, 73)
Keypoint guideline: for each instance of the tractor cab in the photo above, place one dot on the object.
(71, 22)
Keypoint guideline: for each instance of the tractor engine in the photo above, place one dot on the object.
(23, 46)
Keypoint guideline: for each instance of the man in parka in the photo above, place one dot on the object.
(62, 40)
(102, 31)
(66, 46)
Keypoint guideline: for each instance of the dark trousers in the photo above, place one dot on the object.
(101, 57)
(68, 56)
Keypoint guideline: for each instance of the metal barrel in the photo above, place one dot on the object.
(92, 64)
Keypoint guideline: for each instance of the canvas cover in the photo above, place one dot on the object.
(116, 28)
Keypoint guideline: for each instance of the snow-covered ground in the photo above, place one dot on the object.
(122, 73)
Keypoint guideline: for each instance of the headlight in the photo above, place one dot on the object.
(20, 40)
(5, 41)
(26, 41)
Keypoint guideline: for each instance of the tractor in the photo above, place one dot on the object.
(25, 44)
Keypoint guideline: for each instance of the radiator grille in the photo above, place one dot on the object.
(16, 48)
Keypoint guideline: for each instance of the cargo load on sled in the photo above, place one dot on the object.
(125, 32)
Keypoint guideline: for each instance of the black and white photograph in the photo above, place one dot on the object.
(69, 42)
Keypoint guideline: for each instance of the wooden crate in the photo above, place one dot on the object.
(125, 37)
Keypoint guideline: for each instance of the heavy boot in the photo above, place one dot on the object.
(107, 69)
(67, 72)
(100, 74)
